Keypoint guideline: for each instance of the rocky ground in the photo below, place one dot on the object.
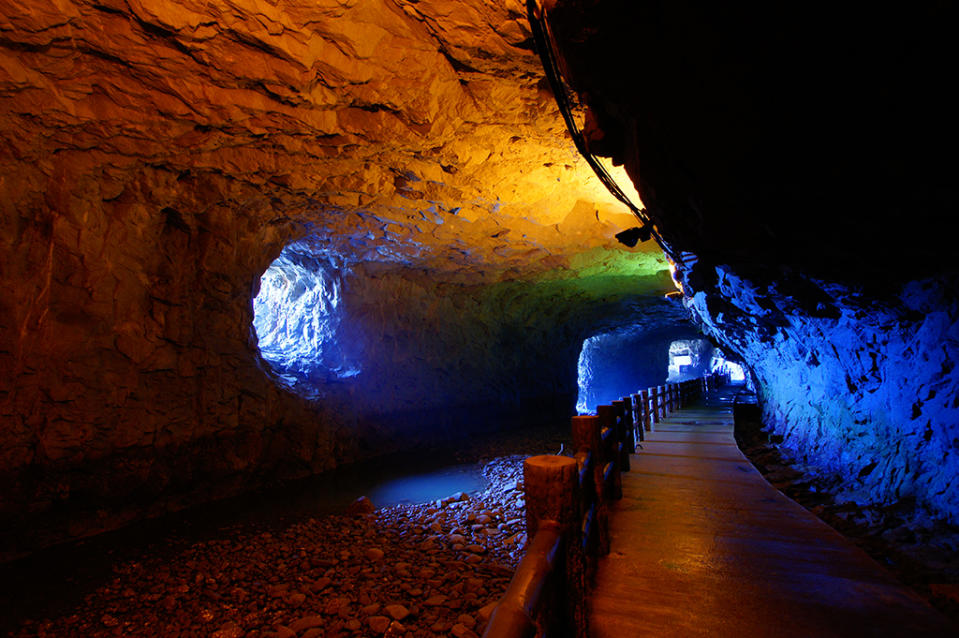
(918, 549)
(423, 569)
(411, 570)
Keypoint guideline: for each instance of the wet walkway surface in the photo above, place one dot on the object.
(702, 545)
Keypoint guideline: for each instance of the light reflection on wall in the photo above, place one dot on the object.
(297, 316)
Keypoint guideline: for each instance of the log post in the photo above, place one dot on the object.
(662, 402)
(611, 451)
(552, 505)
(654, 404)
(647, 419)
(630, 423)
(619, 410)
(586, 434)
(587, 438)
(550, 485)
(639, 422)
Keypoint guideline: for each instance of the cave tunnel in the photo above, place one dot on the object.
(277, 249)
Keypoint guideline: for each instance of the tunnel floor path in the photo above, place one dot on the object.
(702, 545)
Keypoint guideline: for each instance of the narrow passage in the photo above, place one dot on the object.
(702, 545)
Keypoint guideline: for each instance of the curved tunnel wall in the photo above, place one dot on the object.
(863, 393)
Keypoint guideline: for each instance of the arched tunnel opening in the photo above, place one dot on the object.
(298, 316)
(619, 362)
(356, 244)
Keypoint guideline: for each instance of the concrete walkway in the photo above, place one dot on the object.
(702, 545)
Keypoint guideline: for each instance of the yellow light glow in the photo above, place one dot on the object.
(622, 179)
(672, 275)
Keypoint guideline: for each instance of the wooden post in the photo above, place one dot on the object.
(550, 483)
(587, 438)
(630, 422)
(619, 409)
(586, 434)
(662, 402)
(639, 429)
(611, 451)
(647, 420)
(654, 404)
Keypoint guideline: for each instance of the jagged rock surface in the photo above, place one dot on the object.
(157, 157)
(856, 388)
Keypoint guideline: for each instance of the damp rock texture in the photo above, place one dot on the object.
(855, 388)
(804, 191)
(159, 155)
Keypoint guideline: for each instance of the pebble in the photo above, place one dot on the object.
(398, 612)
(462, 631)
(296, 599)
(228, 630)
(379, 624)
(282, 631)
(307, 622)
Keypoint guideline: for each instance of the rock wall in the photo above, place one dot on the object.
(861, 391)
(157, 157)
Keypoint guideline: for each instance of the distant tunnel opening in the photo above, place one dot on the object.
(297, 317)
(619, 362)
(692, 358)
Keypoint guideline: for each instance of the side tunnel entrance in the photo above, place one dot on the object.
(618, 362)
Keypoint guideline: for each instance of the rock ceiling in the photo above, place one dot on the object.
(413, 131)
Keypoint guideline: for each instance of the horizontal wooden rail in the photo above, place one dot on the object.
(515, 615)
(567, 512)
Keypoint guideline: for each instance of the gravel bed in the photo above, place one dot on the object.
(430, 569)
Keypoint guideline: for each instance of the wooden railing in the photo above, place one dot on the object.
(567, 512)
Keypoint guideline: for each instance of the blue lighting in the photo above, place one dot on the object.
(297, 316)
(689, 359)
(735, 370)
(622, 361)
